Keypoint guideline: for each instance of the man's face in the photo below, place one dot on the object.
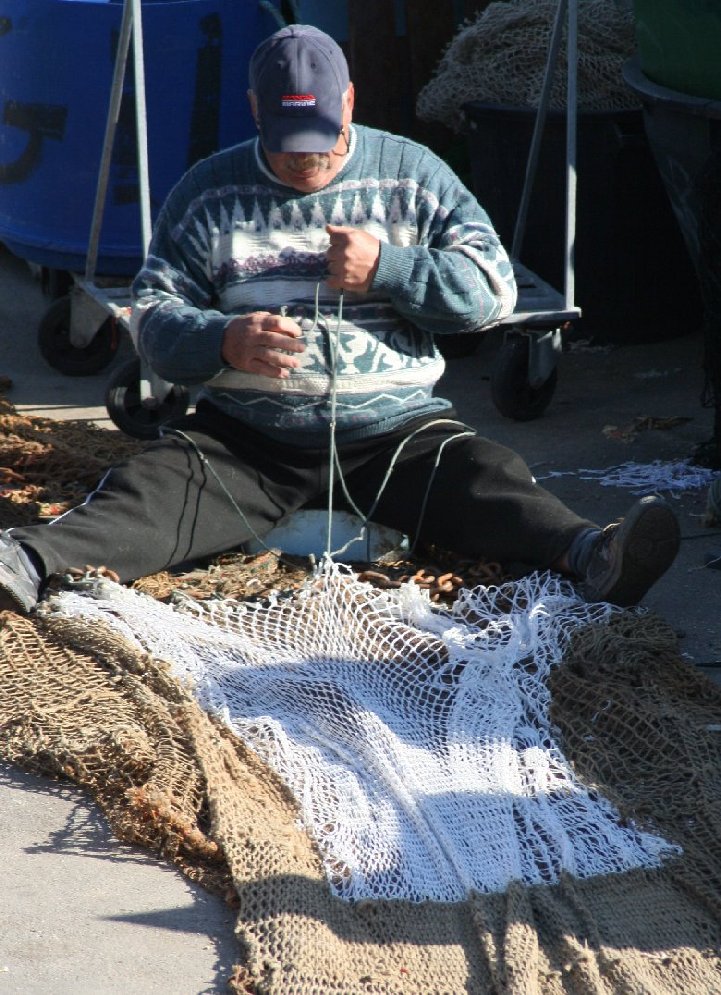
(311, 171)
(307, 171)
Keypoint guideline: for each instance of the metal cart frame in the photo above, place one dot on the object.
(524, 377)
(139, 402)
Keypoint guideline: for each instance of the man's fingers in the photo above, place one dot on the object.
(279, 339)
(279, 323)
(273, 364)
(336, 231)
(264, 369)
(352, 258)
(335, 282)
(263, 343)
(258, 322)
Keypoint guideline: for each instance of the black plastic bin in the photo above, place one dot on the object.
(685, 136)
(634, 279)
(684, 133)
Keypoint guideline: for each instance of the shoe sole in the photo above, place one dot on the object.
(651, 540)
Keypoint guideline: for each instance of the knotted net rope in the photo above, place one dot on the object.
(500, 58)
(671, 476)
(628, 728)
(637, 728)
(417, 742)
(47, 466)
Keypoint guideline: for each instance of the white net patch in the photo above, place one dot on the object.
(416, 741)
(649, 478)
(646, 478)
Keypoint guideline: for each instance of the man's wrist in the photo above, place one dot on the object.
(394, 268)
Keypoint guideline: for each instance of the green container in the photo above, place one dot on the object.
(679, 44)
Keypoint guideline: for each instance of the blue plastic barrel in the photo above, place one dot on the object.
(330, 16)
(56, 68)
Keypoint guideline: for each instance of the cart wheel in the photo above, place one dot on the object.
(57, 349)
(122, 399)
(55, 282)
(457, 346)
(511, 392)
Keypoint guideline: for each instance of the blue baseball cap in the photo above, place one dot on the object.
(299, 76)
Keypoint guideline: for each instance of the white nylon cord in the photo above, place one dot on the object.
(334, 466)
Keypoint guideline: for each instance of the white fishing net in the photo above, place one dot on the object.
(674, 476)
(417, 741)
(649, 478)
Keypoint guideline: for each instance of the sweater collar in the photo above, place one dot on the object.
(265, 169)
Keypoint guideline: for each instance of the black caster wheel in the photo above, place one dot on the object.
(457, 346)
(122, 399)
(58, 351)
(55, 282)
(511, 391)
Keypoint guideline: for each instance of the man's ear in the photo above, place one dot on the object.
(253, 105)
(348, 104)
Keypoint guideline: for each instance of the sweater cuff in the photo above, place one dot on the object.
(200, 358)
(211, 344)
(395, 268)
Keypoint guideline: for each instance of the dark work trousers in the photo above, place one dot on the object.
(180, 500)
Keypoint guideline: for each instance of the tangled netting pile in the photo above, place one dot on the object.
(419, 744)
(520, 794)
(500, 58)
(47, 466)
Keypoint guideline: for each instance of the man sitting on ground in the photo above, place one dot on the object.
(303, 278)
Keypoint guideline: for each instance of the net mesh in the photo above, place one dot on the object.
(500, 58)
(670, 476)
(48, 466)
(639, 728)
(630, 730)
(418, 742)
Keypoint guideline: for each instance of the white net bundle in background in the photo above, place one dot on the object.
(673, 476)
(500, 58)
(651, 478)
(417, 742)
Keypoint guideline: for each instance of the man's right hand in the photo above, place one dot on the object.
(260, 342)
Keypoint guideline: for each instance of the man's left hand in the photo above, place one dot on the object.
(352, 258)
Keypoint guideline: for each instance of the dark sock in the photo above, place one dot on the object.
(29, 560)
(581, 549)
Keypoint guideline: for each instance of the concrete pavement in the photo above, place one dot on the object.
(80, 912)
(37, 388)
(84, 914)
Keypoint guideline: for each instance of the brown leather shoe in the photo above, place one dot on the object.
(631, 555)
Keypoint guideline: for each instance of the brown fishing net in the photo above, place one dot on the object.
(640, 725)
(48, 466)
(500, 58)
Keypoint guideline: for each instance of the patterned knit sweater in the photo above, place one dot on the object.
(232, 239)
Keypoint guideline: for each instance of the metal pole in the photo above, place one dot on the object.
(571, 133)
(541, 115)
(116, 96)
(141, 126)
(271, 9)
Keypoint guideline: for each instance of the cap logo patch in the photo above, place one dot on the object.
(297, 100)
